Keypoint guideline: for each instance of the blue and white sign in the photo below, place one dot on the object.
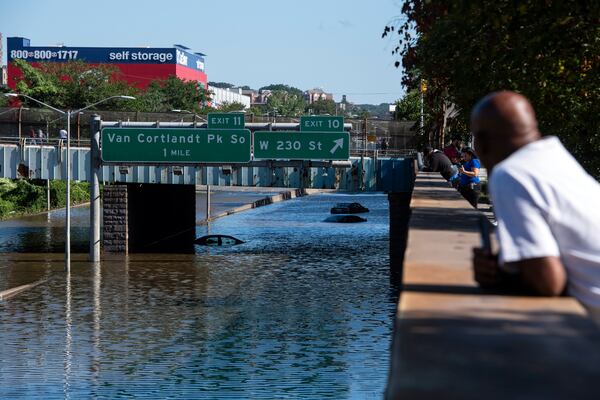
(19, 48)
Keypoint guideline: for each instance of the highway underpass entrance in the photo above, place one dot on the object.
(161, 218)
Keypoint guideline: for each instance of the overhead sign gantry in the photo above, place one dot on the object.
(226, 142)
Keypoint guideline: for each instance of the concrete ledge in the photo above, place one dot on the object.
(8, 293)
(453, 340)
(286, 195)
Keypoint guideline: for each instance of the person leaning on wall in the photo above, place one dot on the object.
(545, 203)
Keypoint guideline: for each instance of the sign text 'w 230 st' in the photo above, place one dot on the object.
(295, 145)
(164, 145)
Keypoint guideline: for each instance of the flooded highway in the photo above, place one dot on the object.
(302, 309)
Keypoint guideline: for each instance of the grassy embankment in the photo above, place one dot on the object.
(21, 197)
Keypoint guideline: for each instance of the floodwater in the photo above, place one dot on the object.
(303, 309)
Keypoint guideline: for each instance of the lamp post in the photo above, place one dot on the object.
(196, 116)
(68, 114)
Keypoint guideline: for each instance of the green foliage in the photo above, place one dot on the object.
(23, 197)
(409, 107)
(231, 107)
(74, 85)
(80, 192)
(285, 104)
(548, 51)
(322, 106)
(173, 93)
(222, 85)
(280, 87)
(370, 110)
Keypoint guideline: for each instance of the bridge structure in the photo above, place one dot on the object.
(135, 188)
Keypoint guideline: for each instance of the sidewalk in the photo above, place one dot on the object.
(454, 341)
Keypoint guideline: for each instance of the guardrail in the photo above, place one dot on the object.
(27, 141)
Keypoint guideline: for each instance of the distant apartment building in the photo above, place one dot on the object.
(316, 94)
(222, 96)
(257, 97)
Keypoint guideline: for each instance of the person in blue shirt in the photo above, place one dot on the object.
(469, 185)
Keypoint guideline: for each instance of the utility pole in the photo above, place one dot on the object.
(423, 88)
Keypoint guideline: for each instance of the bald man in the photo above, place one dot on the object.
(545, 203)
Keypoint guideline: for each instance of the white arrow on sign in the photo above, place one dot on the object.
(339, 143)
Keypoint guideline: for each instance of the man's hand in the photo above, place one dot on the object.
(485, 268)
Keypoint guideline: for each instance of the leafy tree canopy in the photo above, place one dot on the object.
(285, 104)
(283, 88)
(547, 50)
(408, 108)
(231, 107)
(76, 85)
(222, 85)
(322, 106)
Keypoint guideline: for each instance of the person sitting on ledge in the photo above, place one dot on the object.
(470, 185)
(437, 161)
(545, 204)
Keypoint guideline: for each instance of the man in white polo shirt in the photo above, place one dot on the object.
(545, 203)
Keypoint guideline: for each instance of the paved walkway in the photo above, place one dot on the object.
(455, 341)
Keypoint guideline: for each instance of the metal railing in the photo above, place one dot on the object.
(55, 142)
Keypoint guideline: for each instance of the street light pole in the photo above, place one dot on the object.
(68, 197)
(68, 114)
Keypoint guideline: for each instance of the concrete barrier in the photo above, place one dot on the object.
(8, 293)
(453, 340)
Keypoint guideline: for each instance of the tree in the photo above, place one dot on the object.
(231, 107)
(72, 85)
(322, 106)
(285, 104)
(76, 84)
(280, 87)
(548, 51)
(222, 85)
(409, 107)
(173, 93)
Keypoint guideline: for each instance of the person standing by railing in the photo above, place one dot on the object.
(32, 136)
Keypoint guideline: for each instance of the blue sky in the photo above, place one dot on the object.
(333, 44)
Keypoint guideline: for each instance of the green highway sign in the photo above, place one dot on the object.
(226, 120)
(168, 145)
(321, 123)
(269, 145)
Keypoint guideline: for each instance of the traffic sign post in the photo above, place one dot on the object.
(226, 120)
(175, 146)
(295, 145)
(321, 123)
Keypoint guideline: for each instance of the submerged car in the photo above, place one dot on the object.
(349, 208)
(218, 240)
(345, 219)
